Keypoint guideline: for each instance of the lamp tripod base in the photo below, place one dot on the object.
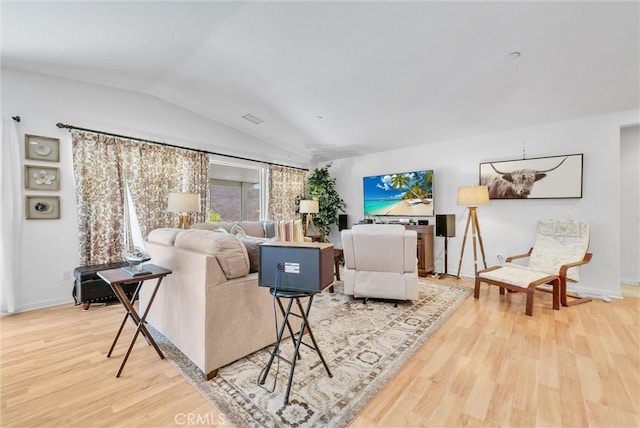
(310, 225)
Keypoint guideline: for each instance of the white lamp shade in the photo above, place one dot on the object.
(309, 207)
(473, 195)
(181, 202)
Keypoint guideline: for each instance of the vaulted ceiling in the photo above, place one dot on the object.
(335, 79)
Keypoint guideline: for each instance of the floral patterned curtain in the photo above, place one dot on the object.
(285, 186)
(101, 166)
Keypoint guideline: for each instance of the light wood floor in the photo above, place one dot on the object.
(489, 365)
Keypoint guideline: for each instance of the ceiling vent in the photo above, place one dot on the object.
(252, 118)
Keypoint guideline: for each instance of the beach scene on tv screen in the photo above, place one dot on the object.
(402, 194)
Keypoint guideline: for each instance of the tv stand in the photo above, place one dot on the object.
(424, 248)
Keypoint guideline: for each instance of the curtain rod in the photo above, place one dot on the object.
(70, 127)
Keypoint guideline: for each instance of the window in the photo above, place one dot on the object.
(236, 189)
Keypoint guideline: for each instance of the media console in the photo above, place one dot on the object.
(425, 248)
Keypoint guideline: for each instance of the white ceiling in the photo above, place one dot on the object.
(335, 79)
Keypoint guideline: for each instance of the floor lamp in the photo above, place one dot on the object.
(309, 207)
(472, 196)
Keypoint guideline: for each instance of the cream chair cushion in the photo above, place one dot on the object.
(558, 242)
(514, 275)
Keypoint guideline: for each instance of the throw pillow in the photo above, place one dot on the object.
(252, 244)
(236, 229)
(270, 229)
(252, 228)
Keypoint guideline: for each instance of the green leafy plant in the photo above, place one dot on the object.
(214, 216)
(321, 187)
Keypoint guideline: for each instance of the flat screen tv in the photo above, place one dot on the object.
(400, 194)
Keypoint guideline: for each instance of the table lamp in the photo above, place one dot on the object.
(309, 207)
(183, 203)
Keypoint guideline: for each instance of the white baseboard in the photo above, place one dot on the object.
(594, 293)
(45, 304)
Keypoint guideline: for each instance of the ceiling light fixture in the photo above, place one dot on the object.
(252, 118)
(514, 55)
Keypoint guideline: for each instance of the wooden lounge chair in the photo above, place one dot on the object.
(558, 252)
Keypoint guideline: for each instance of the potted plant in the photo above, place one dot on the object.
(321, 187)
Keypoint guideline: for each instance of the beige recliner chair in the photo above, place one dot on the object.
(380, 261)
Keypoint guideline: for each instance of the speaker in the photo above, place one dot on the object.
(446, 225)
(296, 266)
(342, 221)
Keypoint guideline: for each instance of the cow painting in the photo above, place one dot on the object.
(516, 184)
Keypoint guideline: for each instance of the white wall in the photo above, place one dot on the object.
(50, 247)
(630, 205)
(508, 226)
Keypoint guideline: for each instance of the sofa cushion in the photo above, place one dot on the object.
(214, 226)
(164, 235)
(228, 249)
(252, 228)
(235, 229)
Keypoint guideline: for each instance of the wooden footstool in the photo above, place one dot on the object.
(518, 279)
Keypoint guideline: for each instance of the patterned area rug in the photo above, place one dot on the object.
(364, 346)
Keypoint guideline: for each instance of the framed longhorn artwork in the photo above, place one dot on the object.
(550, 177)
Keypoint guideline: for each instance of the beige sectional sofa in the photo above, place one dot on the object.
(211, 307)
